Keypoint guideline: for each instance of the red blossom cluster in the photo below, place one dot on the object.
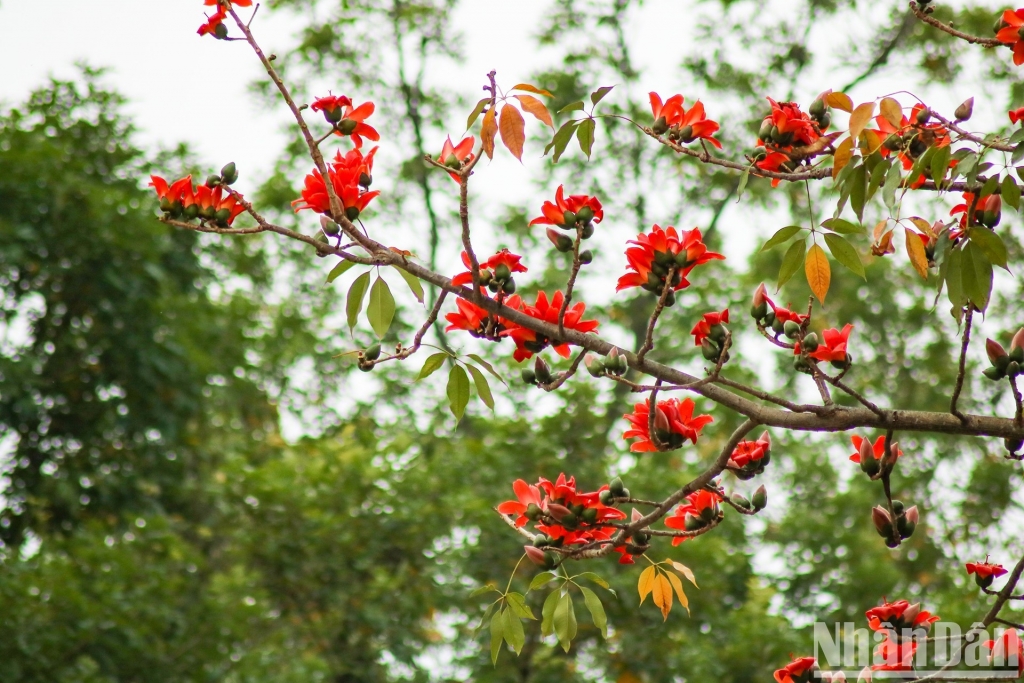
(987, 211)
(346, 118)
(777, 317)
(700, 509)
(351, 176)
(1008, 32)
(910, 139)
(562, 515)
(710, 334)
(786, 129)
(680, 124)
(749, 458)
(832, 347)
(182, 200)
(660, 251)
(985, 573)
(674, 424)
(497, 269)
(454, 156)
(215, 24)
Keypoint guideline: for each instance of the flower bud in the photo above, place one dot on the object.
(529, 376)
(606, 497)
(898, 508)
(586, 257)
(542, 370)
(557, 511)
(617, 488)
(882, 521)
(539, 557)
(710, 350)
(996, 353)
(791, 328)
(760, 498)
(660, 126)
(1017, 346)
(508, 286)
(229, 174)
(661, 421)
(562, 242)
(594, 365)
(588, 231)
(912, 514)
(740, 501)
(810, 342)
(1013, 445)
(347, 126)
(964, 111)
(585, 214)
(817, 108)
(372, 353)
(759, 306)
(923, 116)
(213, 180)
(993, 373)
(765, 131)
(910, 614)
(568, 219)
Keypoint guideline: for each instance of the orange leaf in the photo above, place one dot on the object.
(924, 226)
(818, 272)
(487, 131)
(646, 583)
(892, 111)
(869, 141)
(685, 571)
(513, 130)
(915, 249)
(843, 155)
(839, 101)
(879, 227)
(537, 108)
(860, 118)
(531, 88)
(678, 586)
(662, 595)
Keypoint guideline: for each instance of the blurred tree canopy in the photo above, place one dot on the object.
(156, 526)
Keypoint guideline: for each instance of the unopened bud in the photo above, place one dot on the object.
(740, 501)
(529, 376)
(347, 126)
(810, 342)
(594, 365)
(617, 487)
(542, 370)
(760, 498)
(537, 556)
(586, 257)
(229, 173)
(964, 111)
(710, 350)
(923, 116)
(557, 511)
(213, 180)
(568, 219)
(562, 242)
(882, 521)
(910, 614)
(791, 328)
(606, 497)
(661, 422)
(1017, 346)
(585, 214)
(996, 353)
(328, 226)
(372, 353)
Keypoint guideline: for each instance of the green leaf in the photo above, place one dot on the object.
(954, 282)
(413, 282)
(1010, 192)
(547, 612)
(990, 243)
(542, 579)
(844, 252)
(458, 391)
(431, 364)
(339, 270)
(940, 163)
(591, 576)
(483, 389)
(858, 191)
(381, 309)
(1018, 153)
(878, 174)
(596, 609)
(561, 139)
(564, 620)
(967, 165)
(354, 303)
(517, 603)
(744, 179)
(497, 634)
(514, 634)
(485, 365)
(781, 236)
(599, 94)
(484, 589)
(1018, 136)
(892, 181)
(585, 135)
(791, 262)
(477, 110)
(989, 187)
(976, 275)
(843, 226)
(572, 106)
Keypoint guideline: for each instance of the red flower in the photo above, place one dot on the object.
(1016, 114)
(798, 671)
(657, 251)
(355, 165)
(775, 163)
(683, 125)
(895, 656)
(985, 573)
(703, 327)
(502, 258)
(229, 3)
(794, 125)
(554, 214)
(529, 342)
(781, 314)
(700, 509)
(673, 421)
(215, 25)
(1007, 651)
(899, 615)
(332, 106)
(751, 453)
(987, 212)
(863, 448)
(345, 180)
(170, 196)
(527, 495)
(353, 123)
(671, 110)
(832, 347)
(454, 156)
(1010, 34)
(470, 318)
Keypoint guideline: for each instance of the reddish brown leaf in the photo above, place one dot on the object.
(488, 129)
(537, 108)
(531, 88)
(513, 130)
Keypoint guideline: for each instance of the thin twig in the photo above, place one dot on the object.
(576, 265)
(927, 18)
(963, 363)
(649, 338)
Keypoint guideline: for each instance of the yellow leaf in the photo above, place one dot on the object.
(646, 583)
(818, 272)
(923, 225)
(860, 118)
(915, 249)
(892, 111)
(685, 571)
(531, 88)
(843, 155)
(678, 586)
(869, 141)
(487, 131)
(879, 227)
(839, 101)
(662, 595)
(537, 108)
(513, 130)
